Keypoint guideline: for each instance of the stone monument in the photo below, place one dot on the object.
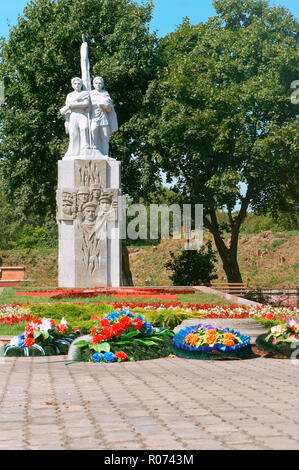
(88, 188)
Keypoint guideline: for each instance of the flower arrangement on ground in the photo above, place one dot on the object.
(209, 342)
(121, 336)
(41, 338)
(282, 339)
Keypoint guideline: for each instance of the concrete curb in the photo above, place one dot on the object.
(233, 298)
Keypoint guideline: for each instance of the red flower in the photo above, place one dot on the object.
(125, 322)
(104, 323)
(121, 355)
(29, 342)
(97, 339)
(94, 317)
(29, 330)
(137, 323)
(61, 328)
(117, 328)
(107, 332)
(93, 331)
(270, 316)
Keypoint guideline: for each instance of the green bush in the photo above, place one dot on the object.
(167, 318)
(77, 316)
(33, 237)
(191, 267)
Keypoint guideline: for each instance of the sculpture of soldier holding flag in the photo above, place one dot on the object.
(90, 115)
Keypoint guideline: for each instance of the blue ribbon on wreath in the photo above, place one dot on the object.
(61, 341)
(26, 349)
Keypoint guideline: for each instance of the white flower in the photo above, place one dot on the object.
(14, 341)
(278, 329)
(45, 325)
(63, 322)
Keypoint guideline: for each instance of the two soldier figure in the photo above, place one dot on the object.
(90, 118)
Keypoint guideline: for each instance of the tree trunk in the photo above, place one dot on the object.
(127, 279)
(231, 268)
(228, 255)
(229, 259)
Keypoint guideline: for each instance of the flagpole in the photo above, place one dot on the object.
(85, 71)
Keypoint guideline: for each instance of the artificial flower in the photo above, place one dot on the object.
(121, 355)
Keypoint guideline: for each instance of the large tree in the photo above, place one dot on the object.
(37, 62)
(219, 120)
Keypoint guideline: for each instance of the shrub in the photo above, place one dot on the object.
(78, 316)
(33, 237)
(191, 267)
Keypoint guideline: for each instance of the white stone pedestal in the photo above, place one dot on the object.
(87, 216)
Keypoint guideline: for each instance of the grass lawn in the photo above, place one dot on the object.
(13, 330)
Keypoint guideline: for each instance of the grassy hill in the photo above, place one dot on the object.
(268, 259)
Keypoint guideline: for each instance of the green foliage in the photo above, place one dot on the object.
(33, 237)
(9, 223)
(268, 323)
(78, 316)
(12, 330)
(166, 318)
(235, 124)
(191, 267)
(37, 63)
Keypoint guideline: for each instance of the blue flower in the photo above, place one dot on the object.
(140, 317)
(112, 316)
(97, 357)
(21, 340)
(109, 357)
(147, 328)
(127, 313)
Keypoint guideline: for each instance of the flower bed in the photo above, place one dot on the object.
(121, 336)
(282, 340)
(214, 311)
(163, 314)
(41, 338)
(162, 293)
(209, 342)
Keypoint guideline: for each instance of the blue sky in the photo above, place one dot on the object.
(166, 16)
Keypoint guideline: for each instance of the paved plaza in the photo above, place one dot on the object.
(169, 404)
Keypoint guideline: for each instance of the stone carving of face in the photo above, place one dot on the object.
(96, 193)
(105, 207)
(98, 83)
(83, 196)
(90, 214)
(77, 84)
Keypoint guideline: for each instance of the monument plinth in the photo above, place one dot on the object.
(88, 188)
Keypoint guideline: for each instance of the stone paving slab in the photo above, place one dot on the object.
(163, 404)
